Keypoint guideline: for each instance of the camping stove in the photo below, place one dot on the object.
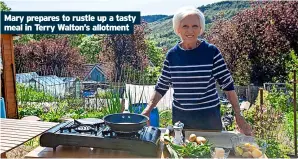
(93, 133)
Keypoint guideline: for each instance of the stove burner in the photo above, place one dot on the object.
(70, 126)
(84, 125)
(84, 128)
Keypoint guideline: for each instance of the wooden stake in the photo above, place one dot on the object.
(295, 117)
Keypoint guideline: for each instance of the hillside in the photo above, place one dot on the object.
(153, 18)
(162, 31)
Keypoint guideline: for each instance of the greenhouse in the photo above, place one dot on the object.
(25, 77)
(72, 86)
(49, 84)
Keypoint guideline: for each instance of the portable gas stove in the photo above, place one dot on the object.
(93, 133)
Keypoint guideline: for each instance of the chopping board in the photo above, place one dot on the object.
(217, 138)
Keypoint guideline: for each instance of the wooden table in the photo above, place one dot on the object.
(15, 132)
(220, 138)
(81, 152)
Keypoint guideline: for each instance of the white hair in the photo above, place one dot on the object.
(185, 11)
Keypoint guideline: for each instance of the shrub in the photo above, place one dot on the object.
(165, 118)
(29, 94)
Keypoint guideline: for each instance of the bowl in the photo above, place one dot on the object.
(219, 152)
(248, 147)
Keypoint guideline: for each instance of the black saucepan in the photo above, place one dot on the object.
(126, 122)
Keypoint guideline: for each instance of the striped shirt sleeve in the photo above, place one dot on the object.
(221, 72)
(164, 80)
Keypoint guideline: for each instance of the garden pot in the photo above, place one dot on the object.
(153, 117)
(2, 109)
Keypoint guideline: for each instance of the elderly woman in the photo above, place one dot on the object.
(192, 68)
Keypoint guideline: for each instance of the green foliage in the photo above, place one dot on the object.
(292, 64)
(250, 114)
(275, 149)
(94, 114)
(289, 124)
(279, 101)
(153, 18)
(114, 104)
(105, 95)
(81, 113)
(223, 110)
(274, 123)
(4, 7)
(225, 9)
(73, 102)
(29, 94)
(231, 127)
(151, 75)
(33, 142)
(75, 39)
(190, 150)
(55, 113)
(29, 110)
(165, 118)
(90, 48)
(155, 54)
(256, 42)
(163, 34)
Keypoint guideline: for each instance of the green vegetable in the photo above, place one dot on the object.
(188, 150)
(191, 150)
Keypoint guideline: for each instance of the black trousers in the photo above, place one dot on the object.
(205, 119)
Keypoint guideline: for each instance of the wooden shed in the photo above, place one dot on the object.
(8, 85)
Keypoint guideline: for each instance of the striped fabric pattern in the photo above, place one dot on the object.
(193, 75)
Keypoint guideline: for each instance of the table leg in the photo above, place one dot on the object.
(3, 155)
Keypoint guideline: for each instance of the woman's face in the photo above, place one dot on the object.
(189, 28)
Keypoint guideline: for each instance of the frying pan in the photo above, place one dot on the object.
(126, 122)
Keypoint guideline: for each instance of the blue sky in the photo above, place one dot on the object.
(147, 7)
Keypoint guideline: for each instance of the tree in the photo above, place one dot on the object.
(120, 51)
(48, 57)
(4, 7)
(256, 42)
(74, 39)
(155, 54)
(90, 48)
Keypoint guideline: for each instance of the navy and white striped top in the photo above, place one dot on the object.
(193, 75)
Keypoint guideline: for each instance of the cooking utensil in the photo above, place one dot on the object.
(241, 144)
(126, 122)
(178, 127)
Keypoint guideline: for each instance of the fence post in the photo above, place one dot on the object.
(261, 99)
(295, 111)
(249, 93)
(261, 104)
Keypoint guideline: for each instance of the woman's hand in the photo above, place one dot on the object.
(146, 112)
(152, 103)
(242, 126)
